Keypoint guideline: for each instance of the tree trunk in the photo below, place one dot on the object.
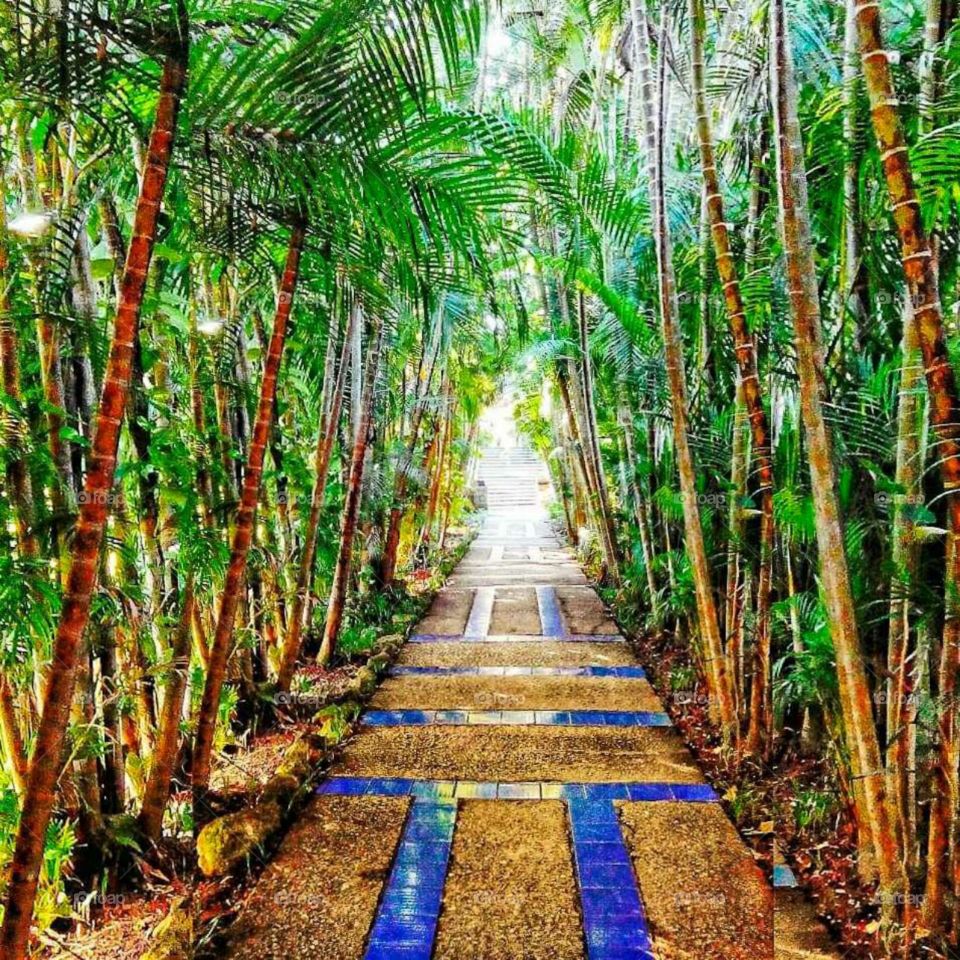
(721, 692)
(444, 439)
(590, 422)
(20, 488)
(88, 538)
(854, 691)
(736, 526)
(10, 738)
(113, 780)
(749, 387)
(391, 547)
(157, 791)
(905, 557)
(739, 456)
(852, 275)
(923, 288)
(356, 379)
(639, 506)
(328, 434)
(243, 529)
(21, 493)
(571, 389)
(351, 506)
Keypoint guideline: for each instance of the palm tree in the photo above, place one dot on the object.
(45, 765)
(530, 216)
(861, 736)
(748, 383)
(351, 506)
(157, 791)
(325, 441)
(246, 515)
(927, 314)
(721, 689)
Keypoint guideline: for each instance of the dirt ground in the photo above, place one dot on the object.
(511, 892)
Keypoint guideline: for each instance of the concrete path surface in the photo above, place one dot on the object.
(515, 791)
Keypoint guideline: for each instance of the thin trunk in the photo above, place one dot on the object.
(721, 692)
(639, 507)
(571, 388)
(114, 238)
(571, 391)
(760, 706)
(852, 276)
(739, 457)
(928, 73)
(590, 420)
(923, 288)
(444, 440)
(741, 437)
(351, 506)
(564, 489)
(356, 379)
(703, 372)
(391, 548)
(83, 769)
(157, 791)
(21, 493)
(854, 691)
(204, 479)
(51, 375)
(114, 787)
(20, 488)
(243, 529)
(88, 538)
(325, 441)
(809, 730)
(11, 739)
(905, 557)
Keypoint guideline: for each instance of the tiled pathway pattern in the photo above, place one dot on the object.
(517, 701)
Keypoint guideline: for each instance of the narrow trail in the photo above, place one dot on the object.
(515, 791)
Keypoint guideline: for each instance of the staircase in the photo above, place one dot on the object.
(511, 476)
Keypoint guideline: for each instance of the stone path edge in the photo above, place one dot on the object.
(540, 718)
(618, 673)
(512, 790)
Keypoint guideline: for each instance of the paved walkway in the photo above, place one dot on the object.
(515, 791)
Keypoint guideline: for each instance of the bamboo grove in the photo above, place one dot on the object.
(262, 265)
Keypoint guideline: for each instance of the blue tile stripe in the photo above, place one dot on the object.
(406, 921)
(551, 618)
(783, 876)
(535, 790)
(540, 718)
(614, 922)
(620, 673)
(516, 638)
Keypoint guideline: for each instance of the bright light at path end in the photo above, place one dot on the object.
(30, 223)
(210, 326)
(498, 41)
